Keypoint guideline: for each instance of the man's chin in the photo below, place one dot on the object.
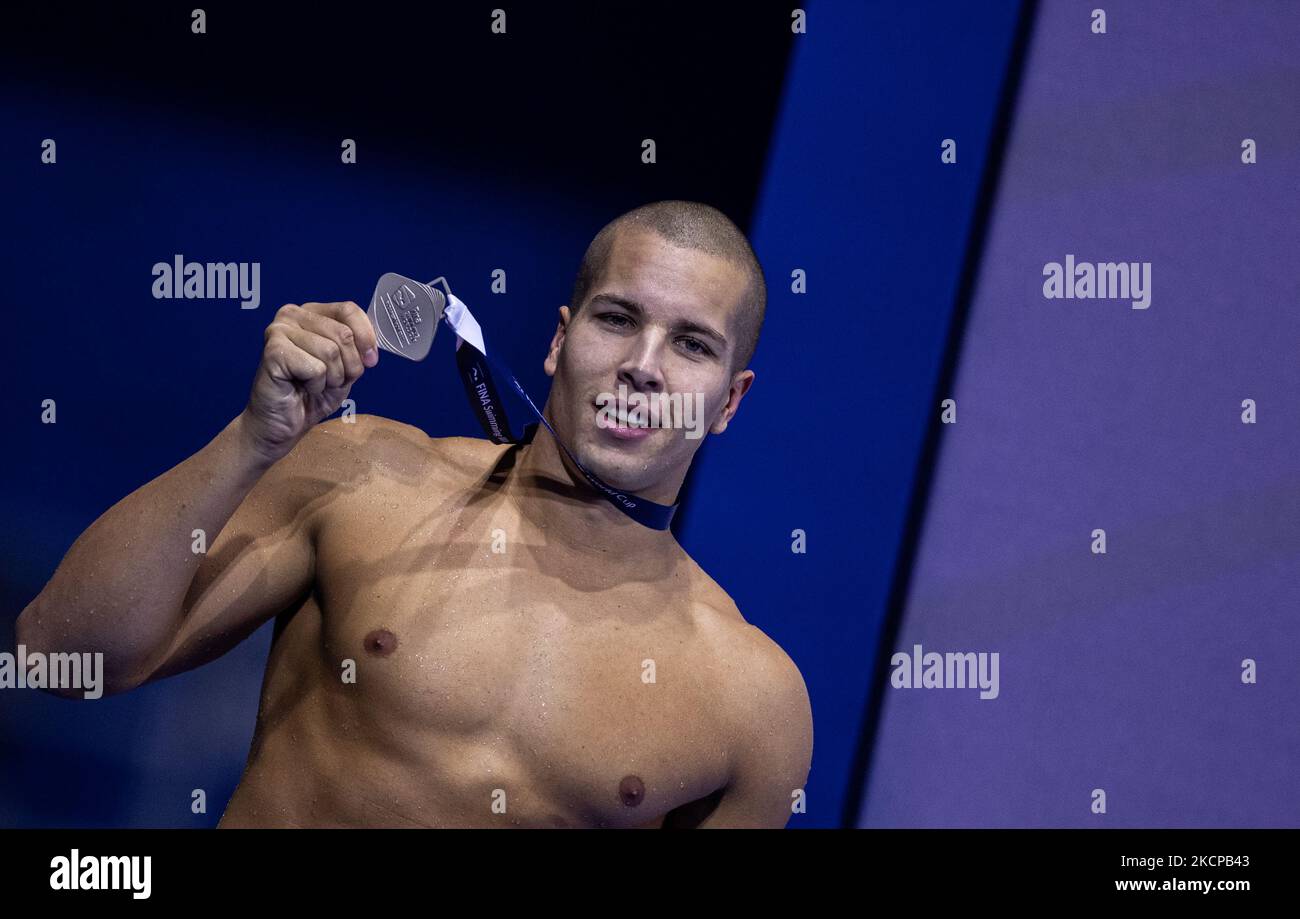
(618, 468)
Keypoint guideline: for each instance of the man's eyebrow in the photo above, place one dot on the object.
(636, 309)
(707, 331)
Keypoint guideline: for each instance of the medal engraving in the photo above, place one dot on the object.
(405, 314)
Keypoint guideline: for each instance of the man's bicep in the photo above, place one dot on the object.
(772, 754)
(761, 798)
(261, 563)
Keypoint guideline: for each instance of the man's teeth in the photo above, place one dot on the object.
(621, 420)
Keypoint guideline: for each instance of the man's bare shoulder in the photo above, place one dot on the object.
(746, 643)
(758, 691)
(372, 449)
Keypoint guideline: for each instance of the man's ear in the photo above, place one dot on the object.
(553, 356)
(739, 386)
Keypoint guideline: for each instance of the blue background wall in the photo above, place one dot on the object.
(507, 153)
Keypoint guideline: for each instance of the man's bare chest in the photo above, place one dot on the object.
(556, 688)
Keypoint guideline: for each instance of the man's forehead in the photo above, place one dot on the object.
(647, 267)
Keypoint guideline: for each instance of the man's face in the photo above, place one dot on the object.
(662, 321)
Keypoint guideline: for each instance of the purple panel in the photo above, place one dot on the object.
(1123, 671)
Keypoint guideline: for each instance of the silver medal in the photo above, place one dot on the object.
(405, 314)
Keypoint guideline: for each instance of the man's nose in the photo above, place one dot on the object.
(640, 368)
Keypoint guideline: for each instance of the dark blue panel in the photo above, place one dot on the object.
(829, 437)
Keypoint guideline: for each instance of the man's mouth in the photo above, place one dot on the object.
(618, 425)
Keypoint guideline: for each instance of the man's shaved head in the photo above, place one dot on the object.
(689, 225)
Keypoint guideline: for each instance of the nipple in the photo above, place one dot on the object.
(631, 791)
(380, 643)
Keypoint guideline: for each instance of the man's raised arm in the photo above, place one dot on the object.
(133, 587)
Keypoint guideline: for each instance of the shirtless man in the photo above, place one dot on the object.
(467, 634)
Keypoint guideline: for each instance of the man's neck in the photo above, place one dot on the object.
(556, 498)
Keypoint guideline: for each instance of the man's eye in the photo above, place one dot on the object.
(619, 320)
(695, 346)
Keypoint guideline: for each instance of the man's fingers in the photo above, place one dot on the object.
(355, 318)
(339, 333)
(291, 364)
(325, 350)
